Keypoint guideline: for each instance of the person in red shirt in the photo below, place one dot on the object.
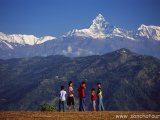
(81, 94)
(93, 99)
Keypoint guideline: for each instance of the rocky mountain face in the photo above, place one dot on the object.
(129, 81)
(101, 37)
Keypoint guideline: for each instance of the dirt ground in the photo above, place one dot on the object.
(107, 115)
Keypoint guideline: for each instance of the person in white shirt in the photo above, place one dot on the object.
(62, 98)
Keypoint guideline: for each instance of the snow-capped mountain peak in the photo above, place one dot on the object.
(97, 30)
(150, 32)
(99, 23)
(24, 39)
(101, 29)
(99, 38)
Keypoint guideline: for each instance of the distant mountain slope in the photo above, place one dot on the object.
(130, 81)
(99, 38)
(24, 39)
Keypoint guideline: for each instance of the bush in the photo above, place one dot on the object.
(48, 107)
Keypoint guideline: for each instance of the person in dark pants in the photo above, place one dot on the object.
(62, 99)
(81, 91)
(99, 97)
(70, 100)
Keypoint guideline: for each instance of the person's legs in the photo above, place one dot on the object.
(74, 108)
(101, 107)
(80, 104)
(63, 106)
(73, 103)
(69, 104)
(99, 103)
(59, 105)
(94, 105)
(83, 104)
(69, 107)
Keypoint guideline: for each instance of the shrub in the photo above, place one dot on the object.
(48, 107)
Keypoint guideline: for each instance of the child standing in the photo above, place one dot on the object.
(93, 99)
(70, 100)
(100, 97)
(62, 98)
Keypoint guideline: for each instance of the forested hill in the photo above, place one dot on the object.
(130, 81)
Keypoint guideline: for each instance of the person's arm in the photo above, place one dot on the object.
(98, 92)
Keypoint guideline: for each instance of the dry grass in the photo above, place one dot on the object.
(107, 115)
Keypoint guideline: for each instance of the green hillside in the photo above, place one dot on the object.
(130, 81)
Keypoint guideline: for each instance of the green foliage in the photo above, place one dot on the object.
(48, 107)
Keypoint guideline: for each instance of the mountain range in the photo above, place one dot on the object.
(129, 81)
(100, 38)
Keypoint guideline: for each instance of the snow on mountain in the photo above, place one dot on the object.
(96, 30)
(101, 29)
(150, 32)
(45, 39)
(118, 32)
(24, 39)
(9, 46)
(99, 38)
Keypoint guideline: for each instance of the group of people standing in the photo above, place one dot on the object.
(96, 97)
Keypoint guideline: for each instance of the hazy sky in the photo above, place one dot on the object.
(56, 17)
